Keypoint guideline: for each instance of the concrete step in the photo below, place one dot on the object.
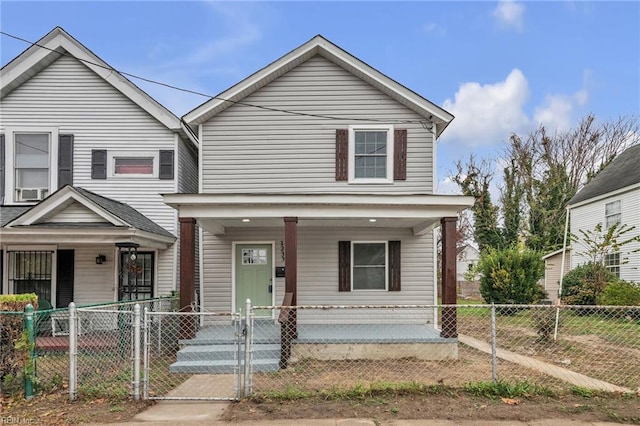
(221, 367)
(226, 352)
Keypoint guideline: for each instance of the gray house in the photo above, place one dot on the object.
(317, 186)
(84, 157)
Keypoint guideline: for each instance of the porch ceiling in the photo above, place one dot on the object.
(217, 212)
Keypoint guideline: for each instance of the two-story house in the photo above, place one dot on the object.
(613, 196)
(84, 157)
(317, 179)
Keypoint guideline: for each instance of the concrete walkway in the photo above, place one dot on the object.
(544, 367)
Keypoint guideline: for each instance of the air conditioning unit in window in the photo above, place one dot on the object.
(31, 194)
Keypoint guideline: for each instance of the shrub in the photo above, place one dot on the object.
(510, 276)
(583, 285)
(620, 293)
(14, 352)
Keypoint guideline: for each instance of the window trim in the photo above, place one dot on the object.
(111, 164)
(614, 268)
(386, 265)
(10, 170)
(352, 153)
(607, 216)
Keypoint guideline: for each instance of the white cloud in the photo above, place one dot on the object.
(433, 28)
(448, 186)
(509, 14)
(485, 114)
(557, 112)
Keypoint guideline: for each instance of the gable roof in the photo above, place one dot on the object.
(8, 213)
(58, 42)
(622, 172)
(323, 47)
(114, 212)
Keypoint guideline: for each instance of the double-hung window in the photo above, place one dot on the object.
(369, 266)
(31, 159)
(613, 213)
(371, 154)
(612, 263)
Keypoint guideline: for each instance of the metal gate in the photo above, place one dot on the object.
(192, 356)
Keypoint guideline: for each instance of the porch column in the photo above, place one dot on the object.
(187, 275)
(291, 257)
(449, 296)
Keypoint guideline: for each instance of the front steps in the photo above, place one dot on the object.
(213, 351)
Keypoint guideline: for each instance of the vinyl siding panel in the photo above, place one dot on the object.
(187, 168)
(551, 282)
(70, 97)
(94, 283)
(75, 213)
(318, 268)
(246, 149)
(586, 217)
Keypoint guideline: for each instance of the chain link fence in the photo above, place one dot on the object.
(153, 353)
(176, 348)
(593, 347)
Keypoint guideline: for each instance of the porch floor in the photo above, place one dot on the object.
(268, 332)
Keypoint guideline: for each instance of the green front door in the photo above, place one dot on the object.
(253, 276)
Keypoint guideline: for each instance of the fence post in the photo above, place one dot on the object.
(247, 347)
(494, 354)
(73, 352)
(147, 343)
(30, 365)
(136, 351)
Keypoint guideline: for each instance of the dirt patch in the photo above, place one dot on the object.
(55, 409)
(452, 406)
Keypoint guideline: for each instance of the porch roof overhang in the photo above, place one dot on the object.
(83, 234)
(217, 212)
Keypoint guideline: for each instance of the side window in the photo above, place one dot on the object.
(613, 213)
(31, 166)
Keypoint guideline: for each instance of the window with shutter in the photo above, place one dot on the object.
(372, 153)
(369, 265)
(166, 164)
(98, 164)
(65, 160)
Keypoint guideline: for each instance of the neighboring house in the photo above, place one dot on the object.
(331, 203)
(552, 268)
(84, 157)
(613, 196)
(468, 285)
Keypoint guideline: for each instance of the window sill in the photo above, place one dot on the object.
(370, 182)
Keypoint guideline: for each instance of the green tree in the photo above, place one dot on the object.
(511, 276)
(543, 172)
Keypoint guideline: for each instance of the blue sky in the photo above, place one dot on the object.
(499, 67)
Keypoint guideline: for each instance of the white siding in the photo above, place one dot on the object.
(187, 168)
(75, 213)
(553, 265)
(318, 266)
(70, 97)
(586, 217)
(246, 149)
(94, 283)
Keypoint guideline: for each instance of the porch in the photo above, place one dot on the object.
(220, 348)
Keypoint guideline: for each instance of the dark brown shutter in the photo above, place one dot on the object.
(400, 154)
(98, 164)
(344, 265)
(166, 164)
(342, 154)
(1, 169)
(65, 160)
(394, 265)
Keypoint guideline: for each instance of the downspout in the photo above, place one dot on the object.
(564, 254)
